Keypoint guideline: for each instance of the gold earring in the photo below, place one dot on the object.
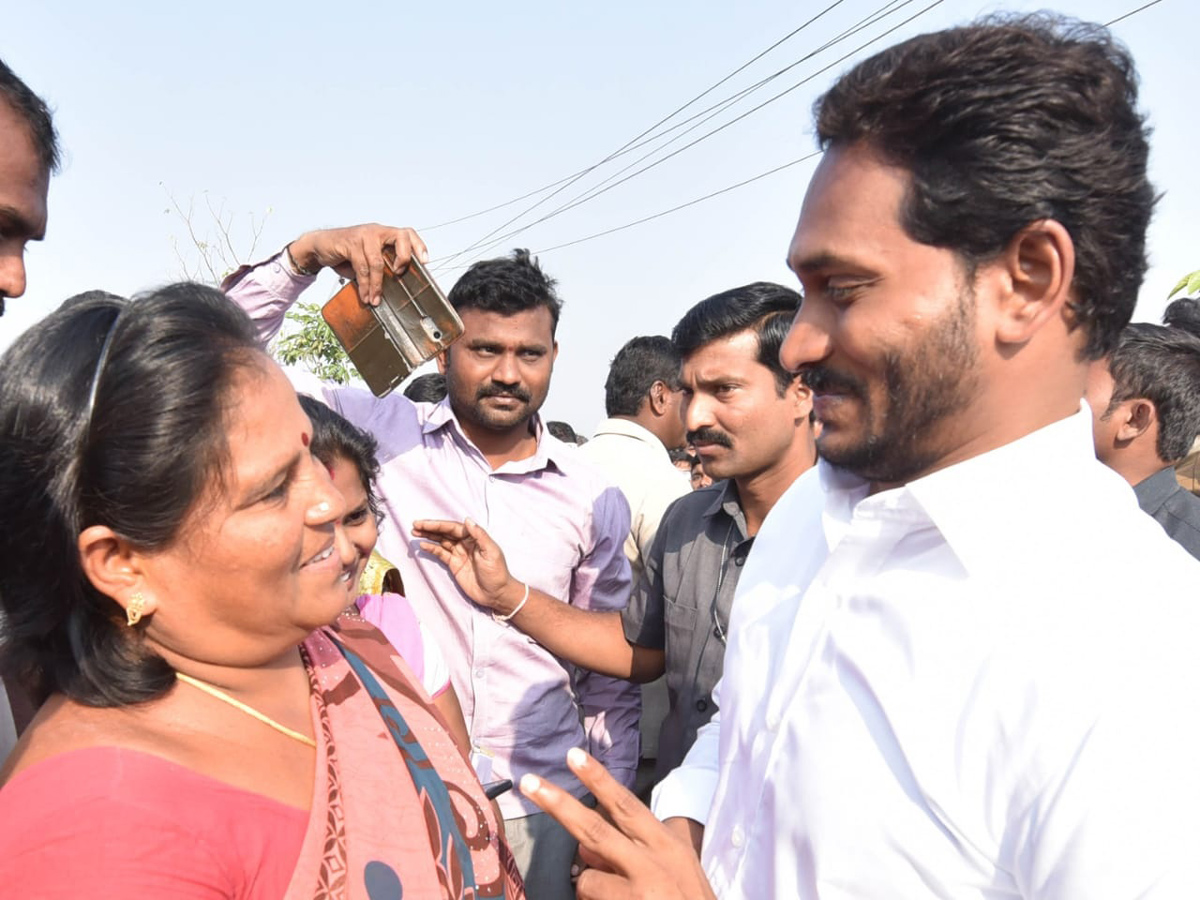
(133, 612)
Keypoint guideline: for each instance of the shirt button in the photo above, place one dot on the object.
(772, 721)
(738, 837)
(701, 705)
(479, 673)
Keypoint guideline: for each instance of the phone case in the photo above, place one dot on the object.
(412, 324)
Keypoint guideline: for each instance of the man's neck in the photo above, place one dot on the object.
(501, 446)
(1136, 469)
(758, 493)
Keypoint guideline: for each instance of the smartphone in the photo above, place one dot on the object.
(494, 789)
(412, 324)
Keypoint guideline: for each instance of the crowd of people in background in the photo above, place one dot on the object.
(875, 588)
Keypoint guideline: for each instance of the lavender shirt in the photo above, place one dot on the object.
(562, 527)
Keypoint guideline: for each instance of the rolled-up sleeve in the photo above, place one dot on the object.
(612, 707)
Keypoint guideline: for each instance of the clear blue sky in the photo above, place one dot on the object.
(332, 114)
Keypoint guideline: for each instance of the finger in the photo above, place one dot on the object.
(480, 537)
(614, 851)
(443, 554)
(440, 528)
(418, 248)
(369, 267)
(596, 885)
(398, 249)
(628, 813)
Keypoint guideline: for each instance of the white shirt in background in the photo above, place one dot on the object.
(984, 684)
(638, 463)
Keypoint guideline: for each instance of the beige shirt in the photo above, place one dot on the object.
(637, 462)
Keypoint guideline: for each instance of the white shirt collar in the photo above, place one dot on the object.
(629, 428)
(978, 504)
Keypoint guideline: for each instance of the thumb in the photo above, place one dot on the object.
(483, 541)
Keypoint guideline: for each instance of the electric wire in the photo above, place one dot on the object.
(578, 200)
(733, 187)
(582, 172)
(488, 240)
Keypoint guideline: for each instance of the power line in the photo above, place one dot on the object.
(673, 209)
(1132, 12)
(582, 172)
(563, 186)
(716, 109)
(589, 195)
(740, 184)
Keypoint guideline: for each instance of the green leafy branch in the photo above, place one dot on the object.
(313, 345)
(1188, 284)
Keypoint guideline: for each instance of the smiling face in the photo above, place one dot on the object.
(257, 564)
(886, 335)
(736, 418)
(498, 373)
(359, 524)
(24, 183)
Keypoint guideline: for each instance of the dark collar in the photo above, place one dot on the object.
(1156, 490)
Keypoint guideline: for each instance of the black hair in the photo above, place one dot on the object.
(634, 370)
(680, 454)
(507, 285)
(564, 432)
(1162, 365)
(30, 107)
(763, 307)
(427, 388)
(1184, 314)
(137, 461)
(334, 436)
(1001, 124)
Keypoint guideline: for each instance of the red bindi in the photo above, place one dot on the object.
(304, 439)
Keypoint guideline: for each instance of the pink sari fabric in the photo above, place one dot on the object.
(378, 826)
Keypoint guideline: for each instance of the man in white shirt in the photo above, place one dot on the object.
(641, 400)
(982, 682)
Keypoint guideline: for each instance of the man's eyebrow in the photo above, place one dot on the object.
(820, 261)
(13, 222)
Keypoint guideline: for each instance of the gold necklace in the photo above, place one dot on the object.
(248, 710)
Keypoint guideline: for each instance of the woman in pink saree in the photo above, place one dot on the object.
(171, 584)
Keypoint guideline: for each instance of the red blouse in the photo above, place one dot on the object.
(108, 822)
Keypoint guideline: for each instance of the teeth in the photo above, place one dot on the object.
(323, 555)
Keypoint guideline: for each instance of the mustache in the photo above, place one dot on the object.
(710, 436)
(501, 390)
(824, 380)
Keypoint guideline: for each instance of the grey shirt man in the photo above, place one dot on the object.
(1176, 510)
(681, 605)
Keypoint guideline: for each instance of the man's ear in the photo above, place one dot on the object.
(1037, 270)
(657, 398)
(114, 567)
(1136, 416)
(443, 359)
(804, 398)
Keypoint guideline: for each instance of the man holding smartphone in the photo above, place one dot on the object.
(483, 453)
(749, 420)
